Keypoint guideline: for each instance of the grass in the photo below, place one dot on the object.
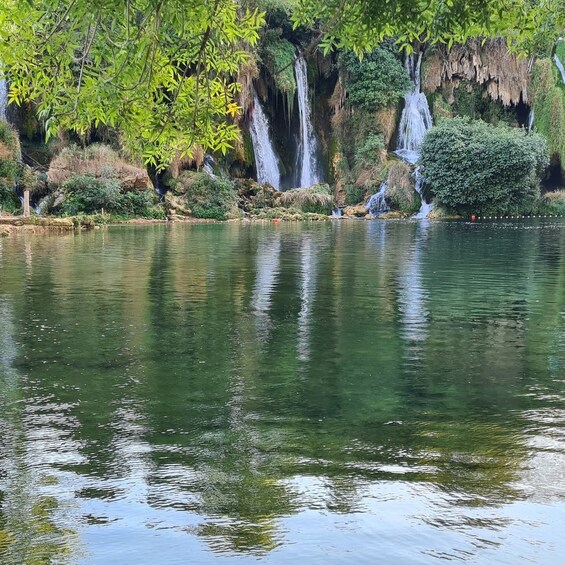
(317, 199)
(99, 161)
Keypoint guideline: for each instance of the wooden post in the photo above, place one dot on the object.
(26, 204)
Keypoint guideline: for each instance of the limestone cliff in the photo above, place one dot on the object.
(504, 75)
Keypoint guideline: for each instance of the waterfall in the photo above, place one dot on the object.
(212, 169)
(266, 160)
(560, 66)
(308, 148)
(377, 205)
(415, 121)
(531, 120)
(208, 166)
(3, 98)
(426, 207)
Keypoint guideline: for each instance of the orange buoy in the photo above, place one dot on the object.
(275, 220)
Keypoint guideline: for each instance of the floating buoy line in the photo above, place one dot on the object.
(540, 216)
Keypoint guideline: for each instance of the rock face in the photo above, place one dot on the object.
(504, 75)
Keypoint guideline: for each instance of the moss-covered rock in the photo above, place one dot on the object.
(286, 214)
(253, 196)
(400, 193)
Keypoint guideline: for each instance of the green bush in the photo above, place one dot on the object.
(9, 202)
(368, 154)
(207, 197)
(278, 56)
(353, 194)
(86, 194)
(10, 169)
(376, 81)
(472, 166)
(549, 107)
(135, 203)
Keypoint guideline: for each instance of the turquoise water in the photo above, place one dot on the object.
(346, 392)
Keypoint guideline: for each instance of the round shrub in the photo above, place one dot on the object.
(472, 166)
(207, 197)
(88, 194)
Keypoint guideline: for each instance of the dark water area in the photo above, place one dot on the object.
(351, 392)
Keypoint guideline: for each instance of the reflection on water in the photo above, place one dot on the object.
(290, 393)
(307, 294)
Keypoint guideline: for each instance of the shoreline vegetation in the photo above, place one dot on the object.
(310, 131)
(14, 225)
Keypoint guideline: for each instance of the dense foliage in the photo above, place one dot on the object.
(278, 54)
(472, 166)
(162, 72)
(549, 107)
(86, 194)
(9, 167)
(361, 25)
(376, 81)
(206, 196)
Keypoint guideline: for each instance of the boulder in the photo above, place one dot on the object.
(358, 211)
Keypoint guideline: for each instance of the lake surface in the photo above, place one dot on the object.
(346, 392)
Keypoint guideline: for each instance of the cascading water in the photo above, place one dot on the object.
(266, 159)
(560, 66)
(426, 207)
(377, 205)
(531, 118)
(308, 149)
(208, 166)
(415, 121)
(3, 98)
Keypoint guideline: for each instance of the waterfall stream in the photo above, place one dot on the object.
(308, 148)
(266, 160)
(377, 205)
(560, 66)
(416, 119)
(3, 98)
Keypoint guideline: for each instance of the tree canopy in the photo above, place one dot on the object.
(360, 25)
(164, 72)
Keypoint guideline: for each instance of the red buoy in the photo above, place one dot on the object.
(473, 218)
(276, 220)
